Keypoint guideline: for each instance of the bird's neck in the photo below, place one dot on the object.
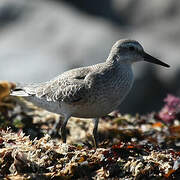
(111, 58)
(114, 61)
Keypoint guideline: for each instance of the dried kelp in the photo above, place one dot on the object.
(131, 147)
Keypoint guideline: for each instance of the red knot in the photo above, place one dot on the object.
(92, 91)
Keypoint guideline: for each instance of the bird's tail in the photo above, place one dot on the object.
(19, 92)
(22, 90)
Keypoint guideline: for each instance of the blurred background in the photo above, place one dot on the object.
(40, 39)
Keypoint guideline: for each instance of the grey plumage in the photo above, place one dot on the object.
(89, 92)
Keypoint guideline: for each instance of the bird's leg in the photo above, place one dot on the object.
(56, 127)
(95, 136)
(60, 125)
(63, 128)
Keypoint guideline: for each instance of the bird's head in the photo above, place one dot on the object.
(130, 51)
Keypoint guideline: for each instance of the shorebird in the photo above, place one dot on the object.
(92, 91)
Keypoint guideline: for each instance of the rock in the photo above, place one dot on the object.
(50, 38)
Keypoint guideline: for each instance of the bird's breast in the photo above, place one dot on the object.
(106, 95)
(116, 89)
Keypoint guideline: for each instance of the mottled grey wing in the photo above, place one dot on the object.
(68, 88)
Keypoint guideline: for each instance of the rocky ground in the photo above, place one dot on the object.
(131, 147)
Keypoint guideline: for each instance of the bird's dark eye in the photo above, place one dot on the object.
(131, 48)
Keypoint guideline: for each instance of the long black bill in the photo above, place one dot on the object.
(151, 59)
